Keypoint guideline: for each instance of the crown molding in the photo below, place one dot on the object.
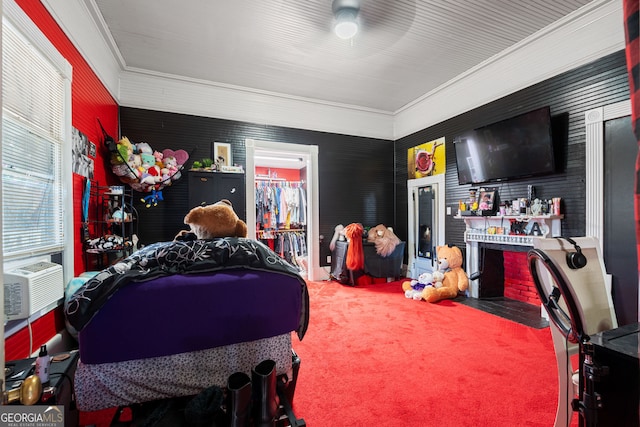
(582, 37)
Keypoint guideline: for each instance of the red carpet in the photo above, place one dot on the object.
(371, 357)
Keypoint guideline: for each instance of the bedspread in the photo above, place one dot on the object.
(106, 385)
(179, 257)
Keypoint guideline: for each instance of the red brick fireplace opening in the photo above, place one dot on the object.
(518, 282)
(504, 287)
(505, 273)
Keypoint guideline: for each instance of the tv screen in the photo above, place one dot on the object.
(518, 147)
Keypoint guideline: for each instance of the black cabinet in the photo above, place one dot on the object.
(209, 187)
(614, 375)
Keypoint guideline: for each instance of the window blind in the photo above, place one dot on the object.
(33, 120)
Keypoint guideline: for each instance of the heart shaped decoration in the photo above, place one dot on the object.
(181, 156)
(168, 152)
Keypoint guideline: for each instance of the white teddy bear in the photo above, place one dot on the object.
(417, 286)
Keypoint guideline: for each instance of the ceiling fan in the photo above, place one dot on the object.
(345, 13)
(380, 23)
(372, 16)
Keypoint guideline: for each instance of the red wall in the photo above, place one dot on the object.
(90, 101)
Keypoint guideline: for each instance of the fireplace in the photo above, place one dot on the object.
(505, 273)
(505, 288)
(500, 254)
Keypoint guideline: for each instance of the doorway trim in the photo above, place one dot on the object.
(412, 185)
(594, 198)
(594, 126)
(310, 154)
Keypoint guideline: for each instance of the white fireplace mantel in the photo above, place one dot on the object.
(495, 230)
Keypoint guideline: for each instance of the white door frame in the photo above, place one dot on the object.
(310, 154)
(438, 183)
(594, 125)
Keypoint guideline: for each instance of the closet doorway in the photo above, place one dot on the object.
(277, 166)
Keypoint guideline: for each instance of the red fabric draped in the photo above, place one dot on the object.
(632, 50)
(355, 252)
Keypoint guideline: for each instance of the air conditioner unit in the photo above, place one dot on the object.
(31, 288)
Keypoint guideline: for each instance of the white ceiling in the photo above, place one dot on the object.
(406, 48)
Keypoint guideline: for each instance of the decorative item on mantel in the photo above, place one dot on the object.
(487, 205)
(146, 170)
(519, 225)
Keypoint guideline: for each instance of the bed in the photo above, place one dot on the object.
(177, 317)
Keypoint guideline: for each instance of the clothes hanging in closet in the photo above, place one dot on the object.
(280, 205)
(281, 218)
(290, 245)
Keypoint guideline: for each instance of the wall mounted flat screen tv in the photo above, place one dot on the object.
(518, 147)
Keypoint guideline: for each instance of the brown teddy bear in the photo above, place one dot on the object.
(455, 279)
(211, 221)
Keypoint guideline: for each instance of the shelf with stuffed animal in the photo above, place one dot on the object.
(144, 168)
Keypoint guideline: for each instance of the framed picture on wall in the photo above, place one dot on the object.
(487, 200)
(222, 154)
(92, 149)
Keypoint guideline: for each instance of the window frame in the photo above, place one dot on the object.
(17, 18)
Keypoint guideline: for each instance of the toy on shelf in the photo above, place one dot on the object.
(146, 170)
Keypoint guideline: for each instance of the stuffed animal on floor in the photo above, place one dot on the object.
(438, 277)
(211, 221)
(384, 239)
(413, 288)
(455, 279)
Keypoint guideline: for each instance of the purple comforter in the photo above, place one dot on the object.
(180, 257)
